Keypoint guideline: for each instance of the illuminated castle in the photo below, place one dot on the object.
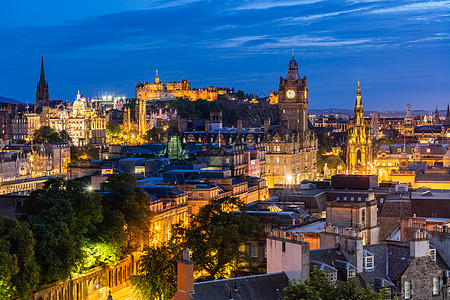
(171, 90)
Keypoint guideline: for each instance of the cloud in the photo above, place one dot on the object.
(414, 7)
(322, 16)
(271, 4)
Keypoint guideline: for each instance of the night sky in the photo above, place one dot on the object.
(399, 50)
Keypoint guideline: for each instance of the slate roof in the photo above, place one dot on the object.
(261, 287)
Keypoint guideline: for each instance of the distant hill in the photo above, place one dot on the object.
(10, 100)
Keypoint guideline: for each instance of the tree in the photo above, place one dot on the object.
(153, 135)
(112, 129)
(46, 134)
(85, 152)
(19, 273)
(126, 210)
(317, 286)
(156, 273)
(215, 234)
(240, 95)
(52, 219)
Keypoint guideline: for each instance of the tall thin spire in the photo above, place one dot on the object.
(42, 68)
(293, 50)
(447, 116)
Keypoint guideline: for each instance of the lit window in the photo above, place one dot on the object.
(433, 254)
(277, 159)
(331, 276)
(200, 195)
(351, 273)
(407, 289)
(428, 150)
(435, 285)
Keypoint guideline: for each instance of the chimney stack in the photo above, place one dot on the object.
(185, 281)
(239, 127)
(266, 126)
(419, 246)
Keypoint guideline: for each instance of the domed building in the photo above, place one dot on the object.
(446, 159)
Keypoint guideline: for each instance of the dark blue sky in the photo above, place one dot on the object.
(399, 50)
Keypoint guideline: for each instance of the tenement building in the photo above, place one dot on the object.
(291, 146)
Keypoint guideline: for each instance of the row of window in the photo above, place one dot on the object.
(408, 288)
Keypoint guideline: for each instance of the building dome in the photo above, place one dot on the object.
(446, 159)
(384, 147)
(79, 105)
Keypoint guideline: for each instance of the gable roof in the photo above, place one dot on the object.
(265, 286)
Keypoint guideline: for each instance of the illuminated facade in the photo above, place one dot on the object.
(83, 124)
(291, 147)
(171, 90)
(359, 145)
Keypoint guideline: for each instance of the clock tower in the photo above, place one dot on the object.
(293, 100)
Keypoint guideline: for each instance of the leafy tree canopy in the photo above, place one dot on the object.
(154, 135)
(156, 273)
(126, 210)
(317, 286)
(215, 234)
(19, 273)
(46, 134)
(112, 128)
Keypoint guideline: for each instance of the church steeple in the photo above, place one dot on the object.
(447, 116)
(42, 97)
(42, 69)
(436, 116)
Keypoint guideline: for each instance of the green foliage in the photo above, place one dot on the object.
(112, 129)
(19, 273)
(46, 134)
(127, 212)
(52, 221)
(376, 144)
(240, 95)
(156, 273)
(215, 234)
(96, 252)
(317, 286)
(200, 109)
(84, 152)
(154, 135)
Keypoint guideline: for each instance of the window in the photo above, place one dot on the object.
(433, 254)
(283, 247)
(277, 159)
(200, 195)
(351, 273)
(368, 262)
(254, 251)
(407, 291)
(435, 285)
(331, 276)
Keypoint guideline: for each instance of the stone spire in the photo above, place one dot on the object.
(447, 116)
(42, 97)
(359, 110)
(436, 116)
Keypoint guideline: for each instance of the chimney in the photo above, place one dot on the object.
(239, 127)
(185, 281)
(266, 126)
(419, 246)
(207, 127)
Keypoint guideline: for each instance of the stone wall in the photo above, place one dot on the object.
(91, 285)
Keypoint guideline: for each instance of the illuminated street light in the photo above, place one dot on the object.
(90, 188)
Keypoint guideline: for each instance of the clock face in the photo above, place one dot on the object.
(290, 94)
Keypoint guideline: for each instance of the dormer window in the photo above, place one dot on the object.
(368, 261)
(433, 254)
(331, 276)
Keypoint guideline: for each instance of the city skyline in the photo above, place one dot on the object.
(399, 51)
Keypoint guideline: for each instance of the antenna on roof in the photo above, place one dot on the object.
(293, 50)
